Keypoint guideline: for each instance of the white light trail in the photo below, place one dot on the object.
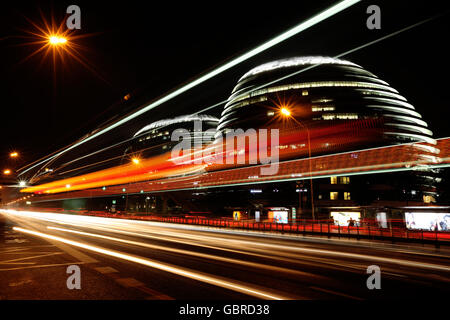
(342, 5)
(161, 266)
(215, 237)
(190, 253)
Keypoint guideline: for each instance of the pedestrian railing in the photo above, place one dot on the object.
(302, 226)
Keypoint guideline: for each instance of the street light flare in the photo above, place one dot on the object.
(14, 154)
(285, 111)
(6, 171)
(56, 40)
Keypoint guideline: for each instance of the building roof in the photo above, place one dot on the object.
(180, 119)
(296, 61)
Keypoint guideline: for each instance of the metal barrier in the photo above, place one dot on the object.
(305, 227)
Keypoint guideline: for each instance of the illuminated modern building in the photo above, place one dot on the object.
(344, 107)
(323, 92)
(155, 138)
(322, 106)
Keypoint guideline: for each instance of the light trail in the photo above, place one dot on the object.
(264, 85)
(405, 157)
(216, 237)
(190, 253)
(342, 5)
(341, 55)
(334, 265)
(160, 266)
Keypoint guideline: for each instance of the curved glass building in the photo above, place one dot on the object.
(155, 138)
(323, 92)
(343, 107)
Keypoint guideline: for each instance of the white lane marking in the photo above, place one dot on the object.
(43, 266)
(32, 257)
(106, 270)
(129, 282)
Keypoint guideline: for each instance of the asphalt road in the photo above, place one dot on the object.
(129, 259)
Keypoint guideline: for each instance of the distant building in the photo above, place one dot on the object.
(155, 138)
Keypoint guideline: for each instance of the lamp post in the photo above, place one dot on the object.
(287, 113)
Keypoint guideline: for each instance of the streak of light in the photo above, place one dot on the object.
(190, 253)
(342, 5)
(263, 85)
(403, 158)
(341, 55)
(160, 266)
(217, 238)
(152, 168)
(167, 165)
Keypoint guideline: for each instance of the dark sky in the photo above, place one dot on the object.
(145, 49)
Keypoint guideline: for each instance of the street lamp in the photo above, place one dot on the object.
(287, 113)
(14, 154)
(6, 172)
(56, 40)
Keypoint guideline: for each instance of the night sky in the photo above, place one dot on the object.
(143, 49)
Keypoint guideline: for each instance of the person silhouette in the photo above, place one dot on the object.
(351, 222)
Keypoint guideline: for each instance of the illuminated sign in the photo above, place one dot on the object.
(278, 216)
(431, 221)
(236, 215)
(257, 216)
(346, 218)
(381, 219)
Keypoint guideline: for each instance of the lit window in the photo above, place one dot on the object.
(322, 100)
(342, 116)
(304, 92)
(347, 196)
(333, 180)
(333, 195)
(322, 108)
(345, 180)
(319, 84)
(270, 113)
(347, 116)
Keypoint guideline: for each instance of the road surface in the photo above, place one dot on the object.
(129, 259)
